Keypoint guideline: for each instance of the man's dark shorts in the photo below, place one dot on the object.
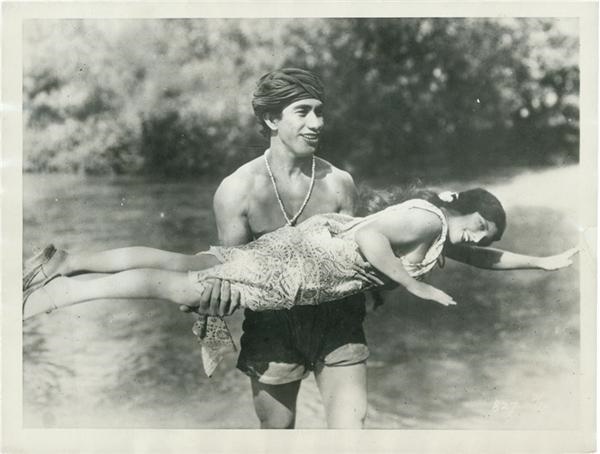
(283, 346)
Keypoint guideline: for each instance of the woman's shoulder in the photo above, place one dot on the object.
(427, 213)
(401, 223)
(420, 203)
(419, 208)
(424, 214)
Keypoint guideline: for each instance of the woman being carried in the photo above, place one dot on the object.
(323, 259)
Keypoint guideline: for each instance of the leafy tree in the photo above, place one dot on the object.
(414, 95)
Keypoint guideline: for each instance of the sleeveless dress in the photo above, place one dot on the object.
(308, 264)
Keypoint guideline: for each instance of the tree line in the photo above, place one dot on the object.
(404, 95)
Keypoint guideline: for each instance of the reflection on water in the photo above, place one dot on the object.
(506, 356)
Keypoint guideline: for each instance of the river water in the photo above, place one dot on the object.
(506, 357)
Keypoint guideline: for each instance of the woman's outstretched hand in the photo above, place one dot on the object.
(429, 292)
(556, 262)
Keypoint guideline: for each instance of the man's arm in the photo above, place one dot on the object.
(348, 197)
(348, 193)
(498, 259)
(230, 205)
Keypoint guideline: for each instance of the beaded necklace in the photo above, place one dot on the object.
(288, 220)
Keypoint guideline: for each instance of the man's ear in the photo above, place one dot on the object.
(271, 121)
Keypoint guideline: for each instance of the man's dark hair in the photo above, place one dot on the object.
(278, 89)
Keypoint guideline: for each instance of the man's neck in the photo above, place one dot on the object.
(285, 162)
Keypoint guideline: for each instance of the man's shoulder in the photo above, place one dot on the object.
(241, 186)
(334, 174)
(242, 179)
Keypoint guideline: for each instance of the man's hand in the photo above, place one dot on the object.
(218, 298)
(368, 276)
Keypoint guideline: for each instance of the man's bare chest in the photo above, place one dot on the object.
(265, 213)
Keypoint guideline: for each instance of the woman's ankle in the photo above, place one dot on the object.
(60, 264)
(67, 266)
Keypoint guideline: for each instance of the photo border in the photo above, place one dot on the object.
(18, 439)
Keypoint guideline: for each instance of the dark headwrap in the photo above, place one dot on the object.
(280, 88)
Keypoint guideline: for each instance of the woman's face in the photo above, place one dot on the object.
(472, 229)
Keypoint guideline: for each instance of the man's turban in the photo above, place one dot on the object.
(280, 88)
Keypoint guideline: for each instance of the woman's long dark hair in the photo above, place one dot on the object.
(465, 202)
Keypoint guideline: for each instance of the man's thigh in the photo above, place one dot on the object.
(269, 353)
(344, 393)
(275, 405)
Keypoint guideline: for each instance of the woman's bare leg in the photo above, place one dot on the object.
(115, 260)
(173, 286)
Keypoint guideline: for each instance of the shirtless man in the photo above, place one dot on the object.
(288, 184)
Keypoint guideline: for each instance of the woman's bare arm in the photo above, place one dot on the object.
(498, 259)
(375, 242)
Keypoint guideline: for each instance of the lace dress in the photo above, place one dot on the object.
(309, 264)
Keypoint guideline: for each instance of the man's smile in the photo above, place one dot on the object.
(311, 138)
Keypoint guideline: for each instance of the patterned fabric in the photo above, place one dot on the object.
(215, 340)
(305, 265)
(309, 264)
